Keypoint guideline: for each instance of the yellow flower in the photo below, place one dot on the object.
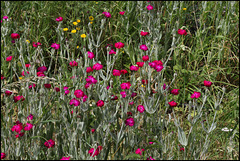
(78, 21)
(83, 36)
(73, 31)
(96, 2)
(65, 29)
(122, 51)
(78, 28)
(184, 9)
(91, 18)
(91, 22)
(75, 23)
(27, 41)
(143, 86)
(77, 47)
(20, 78)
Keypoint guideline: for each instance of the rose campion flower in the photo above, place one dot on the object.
(149, 7)
(144, 81)
(107, 14)
(84, 99)
(158, 62)
(134, 94)
(79, 93)
(122, 12)
(158, 68)
(116, 72)
(144, 33)
(181, 149)
(172, 104)
(94, 152)
(36, 44)
(73, 63)
(5, 17)
(114, 97)
(140, 64)
(30, 117)
(125, 85)
(175, 91)
(129, 113)
(129, 121)
(119, 45)
(164, 86)
(24, 74)
(124, 71)
(42, 69)
(89, 69)
(2, 77)
(97, 66)
(65, 88)
(91, 80)
(8, 93)
(17, 98)
(150, 158)
(108, 87)
(143, 47)
(145, 58)
(27, 65)
(55, 46)
(196, 95)
(182, 32)
(100, 103)
(59, 19)
(207, 83)
(123, 93)
(74, 102)
(66, 92)
(134, 68)
(87, 85)
(40, 74)
(49, 144)
(65, 158)
(47, 85)
(139, 151)
(3, 155)
(19, 134)
(90, 55)
(112, 52)
(93, 130)
(17, 128)
(28, 126)
(15, 36)
(141, 108)
(57, 89)
(9, 58)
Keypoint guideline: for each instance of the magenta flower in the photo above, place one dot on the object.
(124, 71)
(36, 44)
(100, 103)
(134, 68)
(114, 97)
(55, 46)
(97, 66)
(87, 85)
(89, 69)
(59, 19)
(144, 33)
(65, 158)
(158, 68)
(149, 7)
(79, 93)
(28, 126)
(74, 102)
(139, 151)
(3, 155)
(207, 83)
(107, 14)
(129, 113)
(140, 64)
(172, 104)
(15, 36)
(19, 134)
(129, 122)
(84, 99)
(49, 144)
(116, 72)
(143, 47)
(91, 80)
(196, 95)
(123, 93)
(9, 58)
(122, 12)
(40, 74)
(32, 86)
(17, 98)
(73, 63)
(145, 58)
(97, 151)
(47, 85)
(181, 149)
(164, 86)
(119, 45)
(141, 108)
(24, 74)
(65, 88)
(17, 128)
(182, 32)
(144, 81)
(125, 85)
(42, 69)
(112, 52)
(150, 158)
(30, 117)
(66, 92)
(134, 94)
(57, 89)
(175, 91)
(93, 130)
(5, 17)
(90, 55)
(27, 65)
(8, 93)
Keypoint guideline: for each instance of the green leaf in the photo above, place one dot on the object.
(132, 156)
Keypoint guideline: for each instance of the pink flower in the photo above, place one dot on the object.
(139, 151)
(97, 151)
(114, 97)
(65, 158)
(122, 12)
(140, 64)
(30, 117)
(87, 85)
(5, 17)
(181, 149)
(112, 52)
(47, 85)
(134, 68)
(15, 36)
(97, 66)
(108, 87)
(123, 93)
(57, 89)
(125, 85)
(49, 144)
(116, 72)
(28, 127)
(207, 83)
(141, 108)
(79, 93)
(24, 74)
(158, 68)
(91, 80)
(59, 19)
(19, 134)
(84, 99)
(90, 55)
(164, 86)
(32, 86)
(129, 122)
(144, 81)
(65, 88)
(66, 92)
(17, 98)
(36, 44)
(124, 71)
(93, 130)
(89, 69)
(149, 7)
(144, 33)
(42, 69)
(107, 14)
(172, 104)
(100, 103)
(145, 58)
(196, 95)
(17, 128)
(182, 32)
(175, 91)
(55, 46)
(119, 45)
(8, 93)
(3, 155)
(27, 65)
(73, 63)
(40, 74)
(150, 158)
(74, 102)
(133, 94)
(129, 113)
(143, 47)
(9, 58)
